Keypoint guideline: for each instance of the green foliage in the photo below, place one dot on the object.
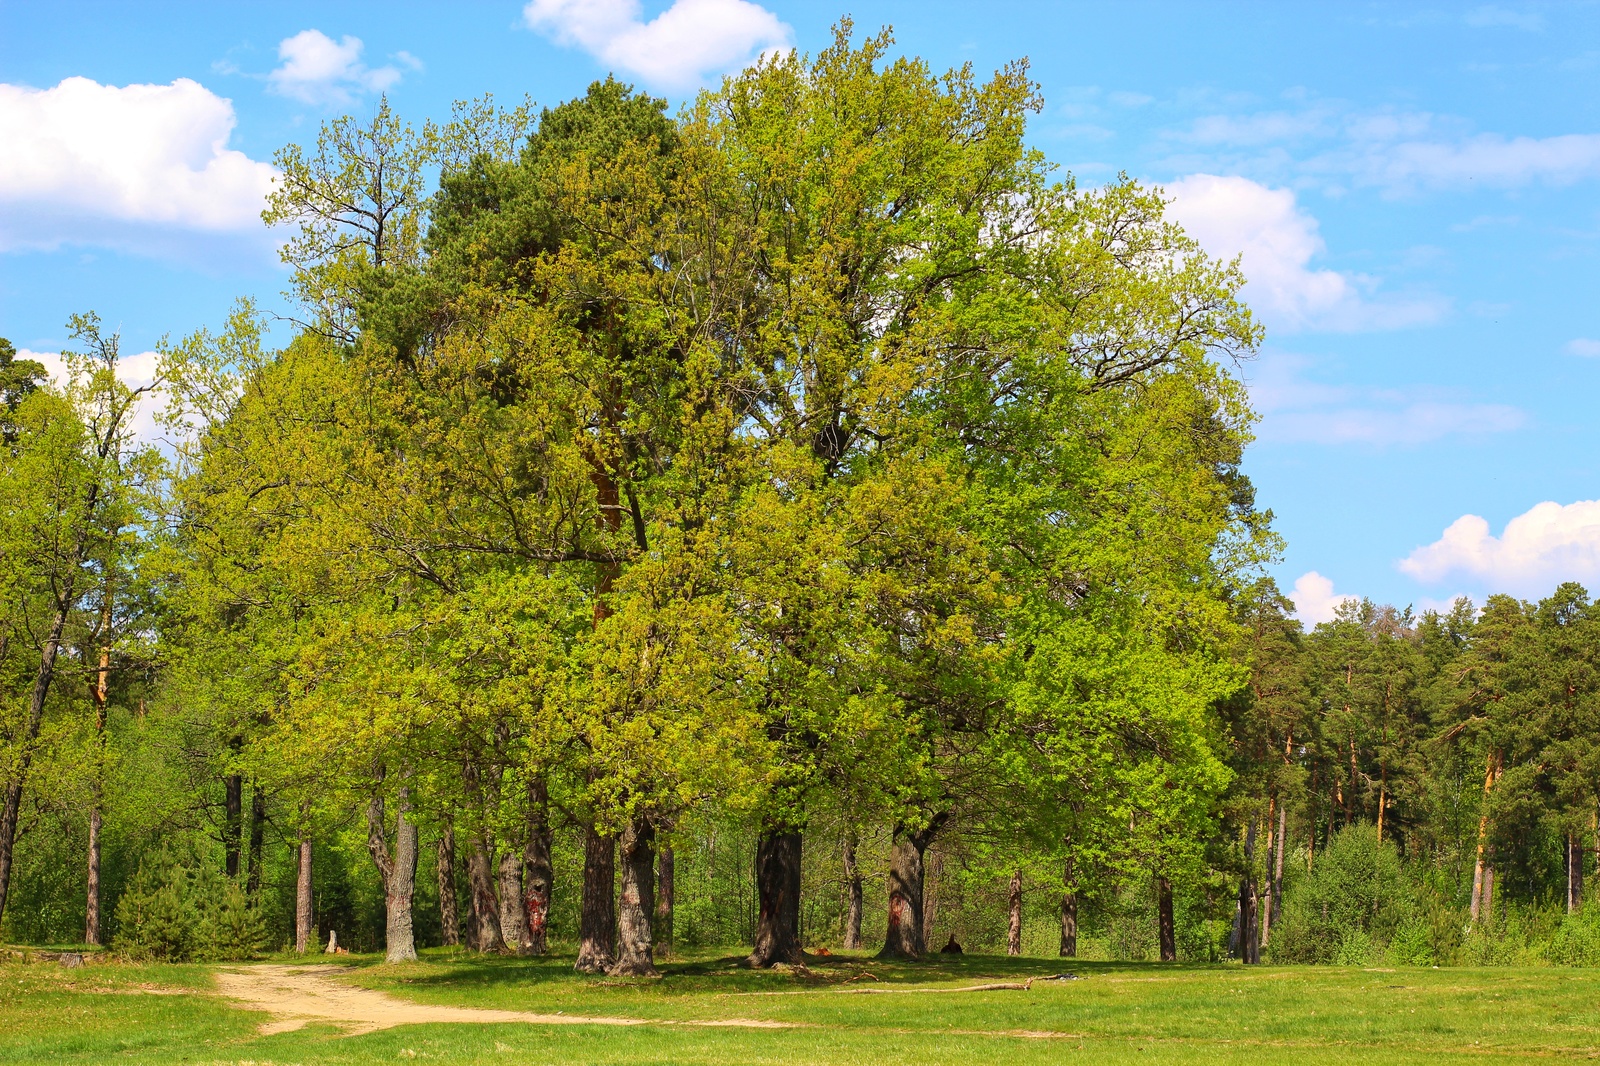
(1350, 906)
(176, 909)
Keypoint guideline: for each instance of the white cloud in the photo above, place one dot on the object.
(1491, 15)
(1296, 409)
(1589, 349)
(133, 371)
(676, 49)
(1487, 159)
(317, 69)
(1538, 549)
(100, 163)
(1314, 598)
(1276, 241)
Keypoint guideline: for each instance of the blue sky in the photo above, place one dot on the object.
(1412, 188)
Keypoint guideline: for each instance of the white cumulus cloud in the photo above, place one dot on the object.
(1537, 550)
(316, 69)
(1277, 240)
(1314, 598)
(674, 50)
(100, 163)
(1584, 346)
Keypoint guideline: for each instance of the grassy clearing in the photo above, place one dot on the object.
(1120, 1013)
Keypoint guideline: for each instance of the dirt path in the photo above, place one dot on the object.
(295, 995)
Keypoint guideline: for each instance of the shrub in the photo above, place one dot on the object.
(1349, 907)
(174, 911)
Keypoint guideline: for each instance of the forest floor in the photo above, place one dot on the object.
(456, 1008)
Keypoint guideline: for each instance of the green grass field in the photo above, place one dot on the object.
(1119, 1013)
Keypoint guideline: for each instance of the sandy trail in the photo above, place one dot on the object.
(295, 995)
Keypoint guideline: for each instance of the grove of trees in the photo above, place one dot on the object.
(807, 520)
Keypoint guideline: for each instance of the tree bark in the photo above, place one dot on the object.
(258, 827)
(666, 896)
(513, 919)
(1165, 926)
(904, 938)
(778, 896)
(1574, 873)
(1249, 918)
(1480, 869)
(1275, 897)
(596, 913)
(855, 900)
(538, 873)
(1069, 924)
(486, 933)
(932, 874)
(305, 933)
(91, 917)
(1014, 929)
(233, 820)
(399, 870)
(636, 903)
(445, 867)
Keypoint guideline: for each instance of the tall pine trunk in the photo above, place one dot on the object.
(538, 872)
(1480, 873)
(233, 819)
(91, 915)
(597, 909)
(399, 869)
(445, 868)
(666, 897)
(1249, 918)
(778, 899)
(258, 828)
(1014, 927)
(305, 933)
(1165, 927)
(904, 936)
(855, 897)
(1574, 873)
(636, 903)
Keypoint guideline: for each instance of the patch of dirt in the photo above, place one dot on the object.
(297, 995)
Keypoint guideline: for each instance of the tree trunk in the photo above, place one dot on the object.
(1165, 926)
(597, 914)
(102, 681)
(778, 895)
(233, 820)
(1249, 918)
(91, 914)
(258, 827)
(305, 934)
(932, 874)
(1069, 924)
(486, 935)
(904, 938)
(538, 873)
(513, 919)
(855, 900)
(1275, 899)
(445, 867)
(399, 870)
(1014, 929)
(1488, 894)
(636, 903)
(1574, 873)
(666, 897)
(1480, 869)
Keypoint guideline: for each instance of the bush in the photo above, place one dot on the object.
(175, 911)
(1350, 906)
